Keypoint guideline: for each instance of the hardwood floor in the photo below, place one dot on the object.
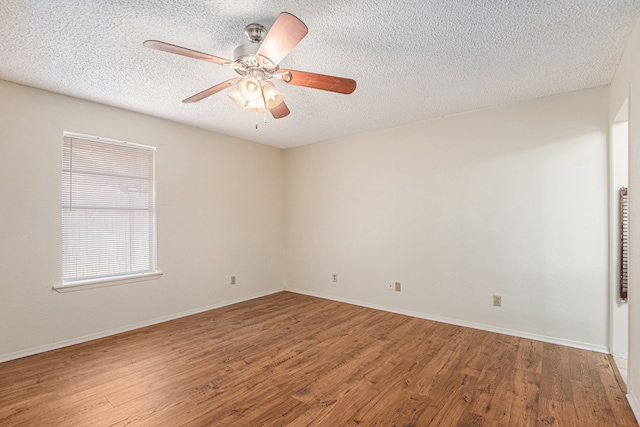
(293, 360)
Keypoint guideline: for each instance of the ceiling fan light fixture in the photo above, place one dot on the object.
(251, 88)
(257, 106)
(236, 95)
(272, 96)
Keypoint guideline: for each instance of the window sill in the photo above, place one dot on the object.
(103, 282)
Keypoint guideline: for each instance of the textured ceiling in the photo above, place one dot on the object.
(413, 60)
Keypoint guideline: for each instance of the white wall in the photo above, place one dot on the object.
(628, 76)
(220, 212)
(509, 201)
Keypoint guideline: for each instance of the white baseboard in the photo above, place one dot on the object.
(635, 407)
(66, 343)
(520, 334)
(73, 341)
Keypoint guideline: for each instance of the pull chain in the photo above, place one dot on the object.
(265, 118)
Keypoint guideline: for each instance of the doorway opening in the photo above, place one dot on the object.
(619, 181)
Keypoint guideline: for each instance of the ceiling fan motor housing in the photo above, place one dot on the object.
(245, 54)
(246, 51)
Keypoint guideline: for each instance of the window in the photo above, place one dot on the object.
(108, 210)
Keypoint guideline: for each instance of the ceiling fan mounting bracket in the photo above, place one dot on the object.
(285, 77)
(255, 32)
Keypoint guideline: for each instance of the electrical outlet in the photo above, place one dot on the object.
(397, 286)
(497, 300)
(233, 280)
(390, 286)
(335, 277)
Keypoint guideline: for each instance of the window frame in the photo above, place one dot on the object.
(115, 279)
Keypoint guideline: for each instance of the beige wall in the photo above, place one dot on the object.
(509, 201)
(220, 212)
(628, 76)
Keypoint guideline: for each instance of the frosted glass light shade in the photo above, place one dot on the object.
(250, 89)
(272, 96)
(237, 96)
(257, 105)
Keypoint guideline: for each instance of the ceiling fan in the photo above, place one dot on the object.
(257, 63)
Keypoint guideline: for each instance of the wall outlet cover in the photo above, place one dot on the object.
(497, 300)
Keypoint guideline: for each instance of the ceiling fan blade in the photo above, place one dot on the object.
(166, 47)
(283, 36)
(213, 89)
(280, 111)
(318, 81)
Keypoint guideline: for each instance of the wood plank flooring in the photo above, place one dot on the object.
(294, 360)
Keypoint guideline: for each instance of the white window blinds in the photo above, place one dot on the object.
(108, 208)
